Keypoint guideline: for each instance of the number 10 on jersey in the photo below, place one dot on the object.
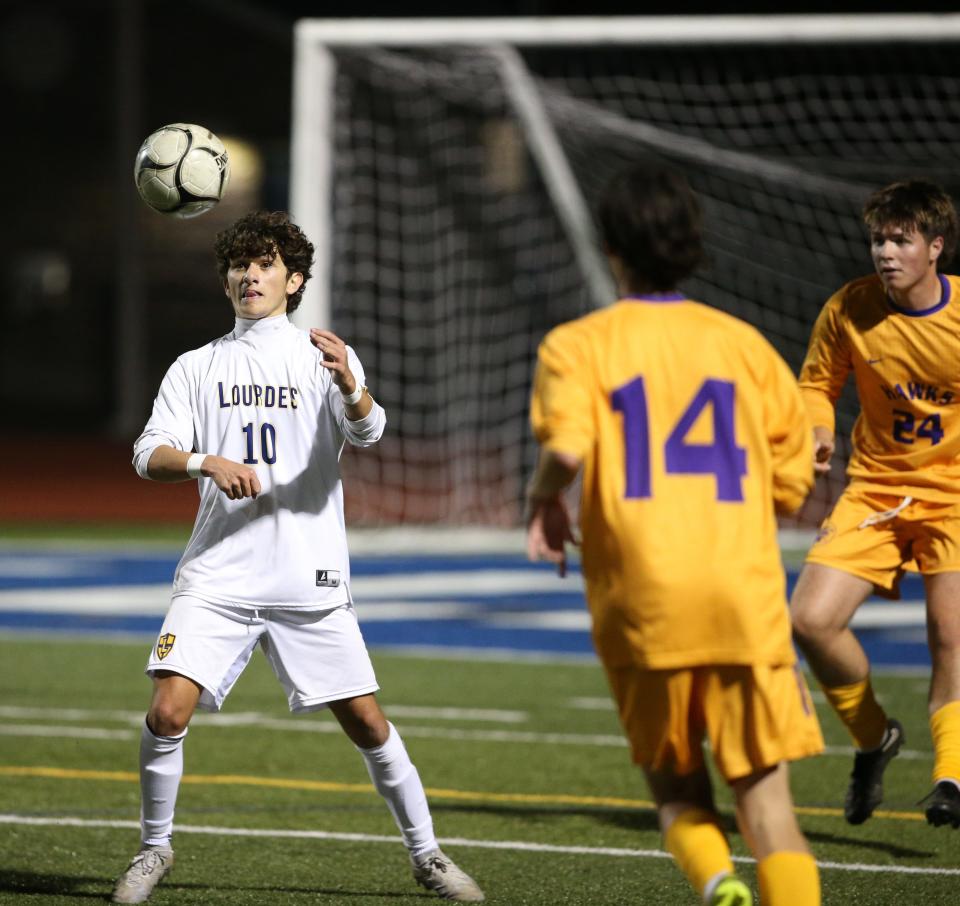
(268, 444)
(722, 458)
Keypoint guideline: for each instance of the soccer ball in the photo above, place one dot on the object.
(182, 169)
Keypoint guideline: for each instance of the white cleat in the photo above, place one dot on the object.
(439, 873)
(145, 871)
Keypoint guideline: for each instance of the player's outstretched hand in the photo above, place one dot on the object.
(823, 446)
(234, 479)
(548, 530)
(334, 358)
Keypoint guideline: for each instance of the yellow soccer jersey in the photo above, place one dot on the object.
(690, 428)
(906, 364)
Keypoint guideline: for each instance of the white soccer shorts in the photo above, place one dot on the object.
(319, 656)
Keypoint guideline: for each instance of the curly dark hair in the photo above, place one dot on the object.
(650, 219)
(915, 204)
(266, 233)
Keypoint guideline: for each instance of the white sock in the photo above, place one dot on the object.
(161, 767)
(396, 779)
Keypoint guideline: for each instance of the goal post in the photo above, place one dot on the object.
(446, 171)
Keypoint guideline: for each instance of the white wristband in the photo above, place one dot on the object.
(193, 464)
(353, 398)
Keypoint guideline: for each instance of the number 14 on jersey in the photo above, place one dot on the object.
(722, 458)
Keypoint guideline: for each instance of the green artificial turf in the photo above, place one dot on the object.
(529, 757)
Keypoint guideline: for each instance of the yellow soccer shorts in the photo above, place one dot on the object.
(878, 537)
(753, 717)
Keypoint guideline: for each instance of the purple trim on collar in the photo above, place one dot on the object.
(944, 300)
(657, 297)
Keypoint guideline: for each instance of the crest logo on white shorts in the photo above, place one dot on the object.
(165, 644)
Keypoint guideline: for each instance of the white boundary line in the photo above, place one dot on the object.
(509, 845)
(229, 720)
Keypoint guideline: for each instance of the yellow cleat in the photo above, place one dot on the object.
(731, 891)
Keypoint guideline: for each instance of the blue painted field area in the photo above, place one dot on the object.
(489, 602)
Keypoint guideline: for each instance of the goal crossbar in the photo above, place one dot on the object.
(633, 29)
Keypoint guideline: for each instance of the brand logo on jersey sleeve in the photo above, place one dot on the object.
(165, 644)
(328, 578)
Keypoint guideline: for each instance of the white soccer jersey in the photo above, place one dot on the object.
(260, 396)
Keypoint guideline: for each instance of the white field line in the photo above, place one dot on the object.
(401, 597)
(869, 616)
(330, 728)
(562, 620)
(591, 703)
(64, 732)
(905, 754)
(135, 600)
(302, 725)
(491, 715)
(401, 592)
(509, 845)
(41, 566)
(374, 611)
(153, 600)
(249, 718)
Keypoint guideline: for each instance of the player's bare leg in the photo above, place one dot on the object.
(693, 836)
(823, 604)
(821, 609)
(362, 720)
(943, 637)
(786, 870)
(396, 779)
(765, 813)
(675, 793)
(174, 700)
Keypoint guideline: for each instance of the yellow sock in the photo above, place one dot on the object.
(945, 729)
(861, 715)
(789, 879)
(698, 844)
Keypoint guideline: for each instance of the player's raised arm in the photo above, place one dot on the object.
(357, 401)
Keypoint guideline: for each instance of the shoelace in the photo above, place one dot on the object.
(149, 861)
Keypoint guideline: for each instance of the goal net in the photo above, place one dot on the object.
(448, 170)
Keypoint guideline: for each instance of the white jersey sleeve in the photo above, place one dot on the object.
(259, 396)
(171, 423)
(362, 432)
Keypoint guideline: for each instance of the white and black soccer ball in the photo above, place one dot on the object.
(182, 169)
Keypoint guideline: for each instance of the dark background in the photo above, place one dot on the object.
(82, 83)
(100, 294)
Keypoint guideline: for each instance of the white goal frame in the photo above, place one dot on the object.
(314, 75)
